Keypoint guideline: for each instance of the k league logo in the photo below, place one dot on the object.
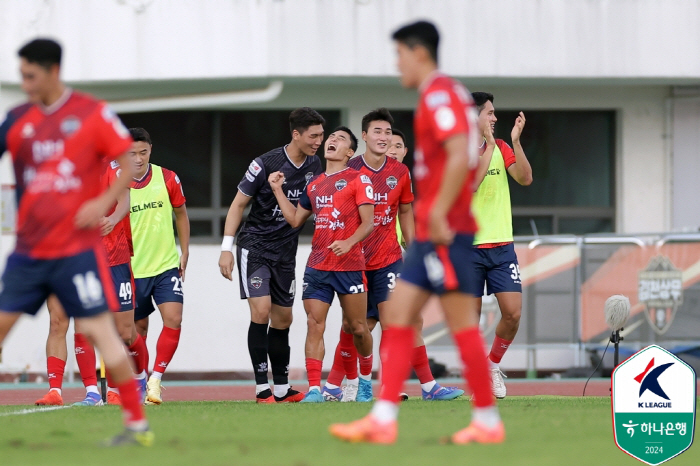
(653, 404)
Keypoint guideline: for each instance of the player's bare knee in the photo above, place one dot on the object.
(59, 325)
(316, 327)
(359, 328)
(511, 316)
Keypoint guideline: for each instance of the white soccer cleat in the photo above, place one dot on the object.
(498, 385)
(349, 393)
(153, 388)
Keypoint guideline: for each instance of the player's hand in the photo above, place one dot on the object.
(226, 261)
(106, 226)
(488, 135)
(183, 265)
(90, 213)
(340, 247)
(517, 128)
(439, 230)
(276, 180)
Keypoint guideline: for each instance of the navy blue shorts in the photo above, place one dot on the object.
(123, 285)
(323, 284)
(442, 269)
(163, 288)
(82, 283)
(498, 269)
(380, 283)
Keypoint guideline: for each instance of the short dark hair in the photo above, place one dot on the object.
(380, 114)
(43, 52)
(480, 99)
(353, 138)
(421, 33)
(301, 118)
(140, 134)
(400, 134)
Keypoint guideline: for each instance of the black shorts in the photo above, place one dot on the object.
(498, 269)
(381, 283)
(124, 286)
(324, 284)
(260, 277)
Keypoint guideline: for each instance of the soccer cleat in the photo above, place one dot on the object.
(364, 391)
(367, 430)
(91, 399)
(439, 393)
(332, 394)
(477, 433)
(113, 398)
(53, 398)
(131, 437)
(498, 385)
(265, 397)
(313, 396)
(141, 385)
(349, 393)
(404, 396)
(292, 396)
(153, 388)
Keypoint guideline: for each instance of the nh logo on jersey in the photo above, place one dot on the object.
(653, 404)
(324, 201)
(294, 194)
(44, 150)
(392, 182)
(147, 206)
(340, 184)
(661, 291)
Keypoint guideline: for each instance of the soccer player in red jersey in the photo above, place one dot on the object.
(496, 265)
(439, 260)
(393, 196)
(342, 200)
(59, 141)
(116, 238)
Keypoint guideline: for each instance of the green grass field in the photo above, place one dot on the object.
(561, 431)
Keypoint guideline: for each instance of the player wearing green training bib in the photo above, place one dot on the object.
(496, 264)
(159, 270)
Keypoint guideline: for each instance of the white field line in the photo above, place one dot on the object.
(33, 410)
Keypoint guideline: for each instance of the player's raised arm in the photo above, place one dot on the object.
(456, 170)
(295, 216)
(233, 221)
(521, 171)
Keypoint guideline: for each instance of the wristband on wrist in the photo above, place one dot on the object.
(227, 243)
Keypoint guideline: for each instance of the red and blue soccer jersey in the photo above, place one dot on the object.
(59, 154)
(118, 242)
(445, 110)
(334, 200)
(392, 186)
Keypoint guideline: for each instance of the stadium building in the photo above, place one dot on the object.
(611, 92)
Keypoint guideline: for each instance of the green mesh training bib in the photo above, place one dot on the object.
(491, 204)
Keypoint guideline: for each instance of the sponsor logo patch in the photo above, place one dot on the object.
(365, 179)
(254, 168)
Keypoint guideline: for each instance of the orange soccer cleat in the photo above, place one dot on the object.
(292, 396)
(368, 430)
(53, 398)
(478, 433)
(114, 399)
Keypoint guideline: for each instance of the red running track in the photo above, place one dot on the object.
(204, 392)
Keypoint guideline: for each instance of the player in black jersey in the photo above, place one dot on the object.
(266, 250)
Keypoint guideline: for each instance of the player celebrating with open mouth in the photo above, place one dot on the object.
(342, 200)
